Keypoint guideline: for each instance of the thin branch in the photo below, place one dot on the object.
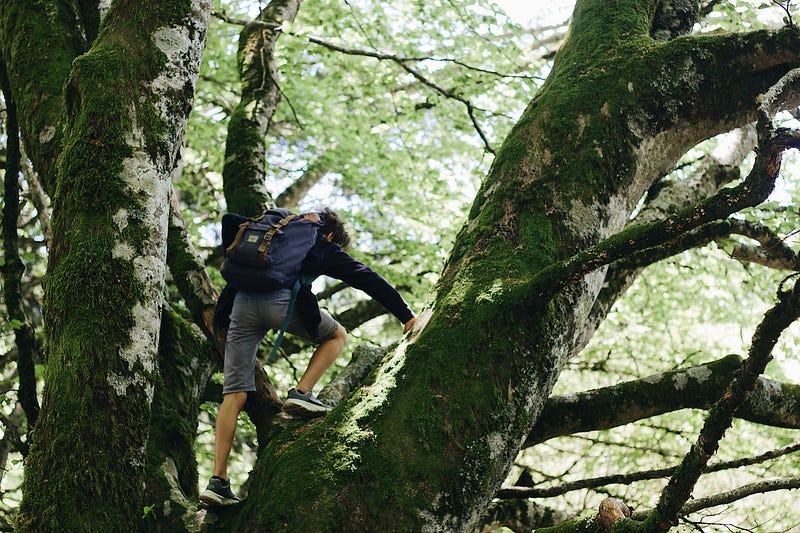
(785, 7)
(773, 251)
(772, 402)
(403, 63)
(723, 498)
(633, 477)
(221, 15)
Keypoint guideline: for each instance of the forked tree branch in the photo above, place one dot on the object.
(636, 238)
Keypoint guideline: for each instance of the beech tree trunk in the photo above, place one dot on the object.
(127, 101)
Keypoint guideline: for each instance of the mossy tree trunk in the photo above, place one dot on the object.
(245, 152)
(126, 100)
(28, 29)
(427, 444)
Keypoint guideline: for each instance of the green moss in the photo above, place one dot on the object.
(184, 361)
(27, 28)
(243, 173)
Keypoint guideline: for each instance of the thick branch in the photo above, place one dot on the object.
(772, 252)
(754, 190)
(674, 18)
(771, 403)
(37, 79)
(295, 192)
(244, 173)
(663, 199)
(520, 516)
(360, 313)
(364, 360)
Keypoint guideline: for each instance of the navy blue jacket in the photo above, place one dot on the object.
(328, 259)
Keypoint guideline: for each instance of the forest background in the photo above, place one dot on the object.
(400, 147)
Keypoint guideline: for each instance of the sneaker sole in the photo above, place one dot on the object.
(304, 409)
(212, 498)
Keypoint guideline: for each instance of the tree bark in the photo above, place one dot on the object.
(186, 359)
(126, 114)
(771, 403)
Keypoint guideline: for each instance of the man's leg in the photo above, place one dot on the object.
(232, 405)
(322, 359)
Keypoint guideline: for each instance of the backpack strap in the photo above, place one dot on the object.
(263, 246)
(242, 227)
(273, 355)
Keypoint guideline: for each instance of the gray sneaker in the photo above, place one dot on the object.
(304, 405)
(218, 492)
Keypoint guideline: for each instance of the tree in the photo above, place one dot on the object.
(425, 441)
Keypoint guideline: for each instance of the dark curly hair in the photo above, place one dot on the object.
(333, 223)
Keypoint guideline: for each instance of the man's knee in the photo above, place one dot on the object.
(340, 334)
(235, 399)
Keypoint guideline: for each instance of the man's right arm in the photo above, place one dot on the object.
(340, 265)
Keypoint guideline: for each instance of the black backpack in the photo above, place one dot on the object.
(267, 252)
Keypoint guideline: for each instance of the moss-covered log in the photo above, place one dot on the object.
(127, 101)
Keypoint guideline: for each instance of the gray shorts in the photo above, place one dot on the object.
(255, 313)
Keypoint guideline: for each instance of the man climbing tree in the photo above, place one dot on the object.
(299, 250)
(423, 439)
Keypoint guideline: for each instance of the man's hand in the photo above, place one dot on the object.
(310, 217)
(407, 325)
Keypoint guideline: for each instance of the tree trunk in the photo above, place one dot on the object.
(27, 28)
(127, 101)
(426, 444)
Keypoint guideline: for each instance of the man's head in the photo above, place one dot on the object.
(333, 226)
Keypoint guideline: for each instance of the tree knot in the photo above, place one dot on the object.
(610, 512)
